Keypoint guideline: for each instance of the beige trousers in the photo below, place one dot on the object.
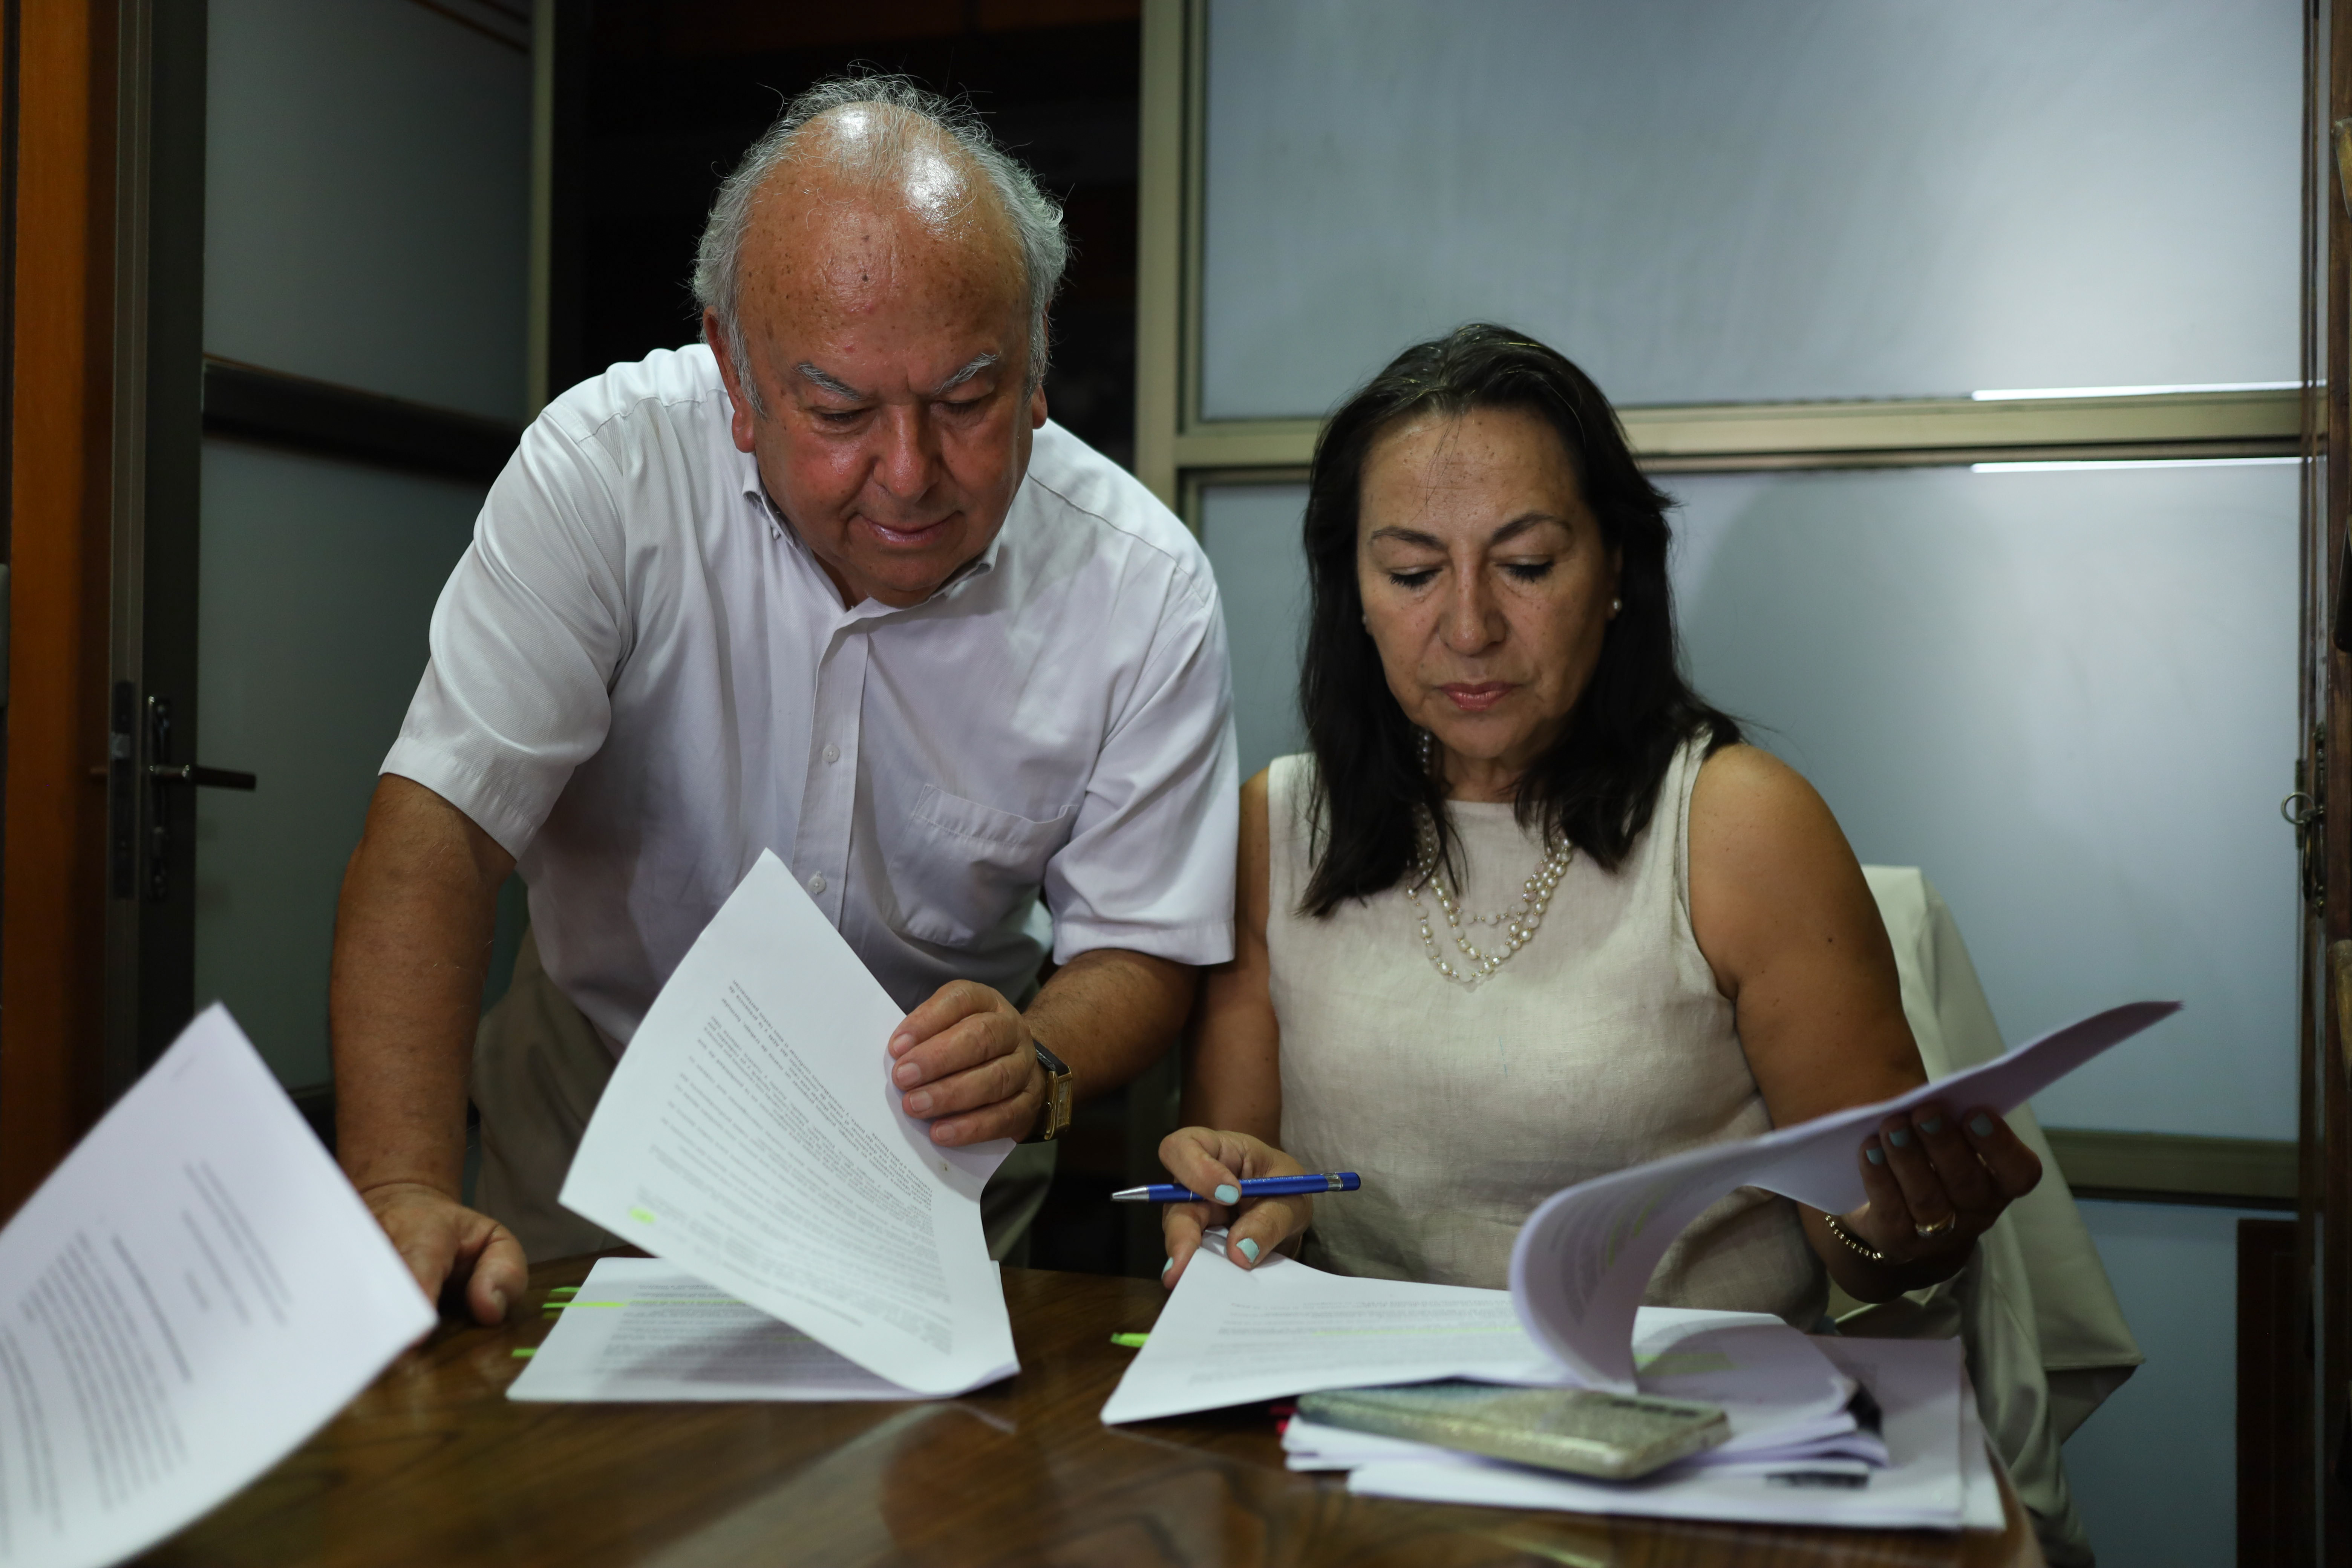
(538, 1069)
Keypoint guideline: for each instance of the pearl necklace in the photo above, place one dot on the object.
(1517, 927)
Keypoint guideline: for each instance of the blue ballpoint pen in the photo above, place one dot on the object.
(1252, 1187)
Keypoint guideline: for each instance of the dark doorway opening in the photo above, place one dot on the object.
(678, 89)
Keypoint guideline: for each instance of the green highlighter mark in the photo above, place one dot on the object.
(642, 1216)
(1129, 1342)
(522, 1352)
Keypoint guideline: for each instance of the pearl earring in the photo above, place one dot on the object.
(1615, 606)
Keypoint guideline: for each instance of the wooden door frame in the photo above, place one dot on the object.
(58, 78)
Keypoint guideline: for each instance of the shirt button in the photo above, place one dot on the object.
(832, 753)
(816, 885)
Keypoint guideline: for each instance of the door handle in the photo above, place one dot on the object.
(163, 773)
(203, 778)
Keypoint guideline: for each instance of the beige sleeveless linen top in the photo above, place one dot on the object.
(1602, 1044)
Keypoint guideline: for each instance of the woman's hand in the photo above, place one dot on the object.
(1937, 1181)
(1208, 1160)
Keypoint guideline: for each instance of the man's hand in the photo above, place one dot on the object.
(450, 1247)
(963, 1062)
(411, 939)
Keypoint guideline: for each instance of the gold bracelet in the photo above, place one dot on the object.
(1852, 1242)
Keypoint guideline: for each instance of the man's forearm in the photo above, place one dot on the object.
(1110, 1014)
(412, 934)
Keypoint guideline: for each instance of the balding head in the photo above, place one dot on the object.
(905, 160)
(875, 281)
(876, 223)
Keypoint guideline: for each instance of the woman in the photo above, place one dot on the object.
(1530, 911)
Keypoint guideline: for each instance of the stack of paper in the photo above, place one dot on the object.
(1234, 1337)
(1786, 1403)
(750, 1138)
(1931, 1470)
(1803, 1448)
(1573, 1317)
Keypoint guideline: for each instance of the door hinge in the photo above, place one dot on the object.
(2305, 811)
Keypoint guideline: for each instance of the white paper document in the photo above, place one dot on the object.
(641, 1329)
(1937, 1475)
(1584, 1258)
(1230, 1336)
(194, 1291)
(752, 1136)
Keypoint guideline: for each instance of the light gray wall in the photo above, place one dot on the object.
(2155, 1471)
(367, 169)
(319, 579)
(2071, 699)
(1251, 534)
(1735, 200)
(367, 219)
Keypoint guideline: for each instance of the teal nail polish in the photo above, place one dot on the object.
(1932, 1126)
(1900, 1138)
(1167, 1266)
(1874, 1156)
(1981, 1126)
(1227, 1192)
(1249, 1249)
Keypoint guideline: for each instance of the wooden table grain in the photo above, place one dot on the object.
(433, 1465)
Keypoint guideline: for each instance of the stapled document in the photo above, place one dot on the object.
(751, 1137)
(1585, 1255)
(192, 1293)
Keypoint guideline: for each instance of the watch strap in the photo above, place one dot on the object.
(1053, 1116)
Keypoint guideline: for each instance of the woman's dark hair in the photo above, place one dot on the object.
(1597, 786)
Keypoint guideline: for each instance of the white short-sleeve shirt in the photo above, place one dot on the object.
(640, 679)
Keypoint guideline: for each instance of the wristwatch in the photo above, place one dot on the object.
(1055, 1114)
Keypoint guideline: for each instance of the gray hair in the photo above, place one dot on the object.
(1037, 217)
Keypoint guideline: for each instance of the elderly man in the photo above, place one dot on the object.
(827, 584)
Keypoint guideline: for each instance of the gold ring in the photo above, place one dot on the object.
(1938, 1228)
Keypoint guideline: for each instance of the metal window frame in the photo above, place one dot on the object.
(1177, 449)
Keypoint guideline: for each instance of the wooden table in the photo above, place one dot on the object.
(433, 1466)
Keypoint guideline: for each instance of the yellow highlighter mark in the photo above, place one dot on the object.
(642, 1216)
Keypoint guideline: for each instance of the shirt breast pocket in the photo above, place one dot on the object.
(962, 869)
